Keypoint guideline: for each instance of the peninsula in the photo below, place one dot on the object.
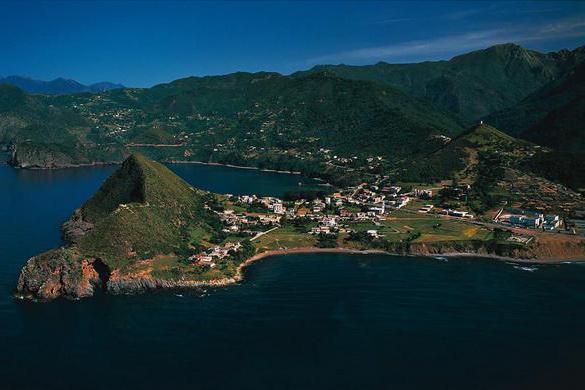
(146, 228)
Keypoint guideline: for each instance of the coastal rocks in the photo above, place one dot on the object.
(486, 248)
(60, 273)
(75, 227)
(129, 284)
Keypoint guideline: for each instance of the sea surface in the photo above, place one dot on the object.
(303, 321)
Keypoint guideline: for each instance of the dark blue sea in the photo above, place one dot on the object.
(318, 321)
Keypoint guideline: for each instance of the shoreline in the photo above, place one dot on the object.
(345, 250)
(67, 166)
(134, 284)
(236, 166)
(109, 163)
(130, 286)
(216, 164)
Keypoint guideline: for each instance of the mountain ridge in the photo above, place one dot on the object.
(57, 86)
(552, 116)
(471, 84)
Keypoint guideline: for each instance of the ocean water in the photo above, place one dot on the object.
(306, 321)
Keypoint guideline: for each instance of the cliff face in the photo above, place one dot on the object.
(472, 247)
(28, 157)
(51, 156)
(549, 248)
(61, 273)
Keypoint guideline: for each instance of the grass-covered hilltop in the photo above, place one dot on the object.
(146, 228)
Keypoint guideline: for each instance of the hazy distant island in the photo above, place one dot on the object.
(146, 228)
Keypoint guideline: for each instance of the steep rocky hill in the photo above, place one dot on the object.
(143, 213)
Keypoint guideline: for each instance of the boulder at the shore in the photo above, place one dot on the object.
(60, 273)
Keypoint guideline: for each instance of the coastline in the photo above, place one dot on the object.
(345, 250)
(129, 286)
(108, 163)
(234, 166)
(65, 166)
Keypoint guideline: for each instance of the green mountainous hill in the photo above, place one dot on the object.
(49, 134)
(143, 215)
(262, 119)
(459, 157)
(553, 116)
(143, 207)
(344, 124)
(471, 85)
(499, 167)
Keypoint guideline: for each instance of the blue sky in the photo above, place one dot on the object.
(145, 43)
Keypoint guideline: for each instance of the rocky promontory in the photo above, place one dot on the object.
(142, 214)
(61, 273)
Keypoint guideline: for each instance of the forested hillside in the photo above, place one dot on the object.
(342, 123)
(472, 85)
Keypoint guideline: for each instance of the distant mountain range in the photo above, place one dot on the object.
(59, 86)
(342, 123)
(471, 85)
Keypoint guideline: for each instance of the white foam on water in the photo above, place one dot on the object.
(525, 268)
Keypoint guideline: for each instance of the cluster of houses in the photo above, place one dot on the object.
(362, 203)
(271, 203)
(211, 256)
(248, 223)
(529, 220)
(538, 221)
(423, 193)
(375, 199)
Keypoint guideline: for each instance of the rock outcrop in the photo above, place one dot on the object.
(75, 227)
(61, 273)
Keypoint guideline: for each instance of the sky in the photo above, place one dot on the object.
(141, 44)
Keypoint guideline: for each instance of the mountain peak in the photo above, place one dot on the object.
(484, 134)
(138, 180)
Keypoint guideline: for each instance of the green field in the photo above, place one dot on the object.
(284, 238)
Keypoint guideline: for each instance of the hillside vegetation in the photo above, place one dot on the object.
(261, 119)
(553, 116)
(345, 124)
(143, 208)
(472, 85)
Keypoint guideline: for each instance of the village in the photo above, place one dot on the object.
(339, 212)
